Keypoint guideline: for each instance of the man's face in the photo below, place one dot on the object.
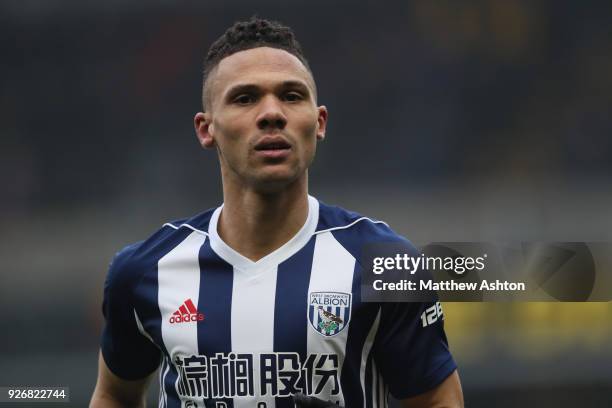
(262, 118)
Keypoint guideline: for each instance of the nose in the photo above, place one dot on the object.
(271, 115)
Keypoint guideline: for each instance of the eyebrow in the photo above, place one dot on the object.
(239, 88)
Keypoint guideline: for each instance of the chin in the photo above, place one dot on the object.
(276, 182)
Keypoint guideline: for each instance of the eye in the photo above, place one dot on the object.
(244, 99)
(293, 97)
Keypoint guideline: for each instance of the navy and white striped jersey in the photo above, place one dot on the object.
(230, 332)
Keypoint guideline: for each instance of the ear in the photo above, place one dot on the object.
(204, 129)
(322, 122)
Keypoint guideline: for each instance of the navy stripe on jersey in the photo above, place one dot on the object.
(215, 300)
(214, 332)
(172, 399)
(290, 321)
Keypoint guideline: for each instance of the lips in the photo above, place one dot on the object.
(273, 148)
(272, 144)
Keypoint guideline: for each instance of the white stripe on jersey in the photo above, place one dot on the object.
(328, 251)
(381, 389)
(179, 279)
(386, 396)
(253, 300)
(341, 227)
(378, 388)
(365, 353)
(374, 385)
(141, 329)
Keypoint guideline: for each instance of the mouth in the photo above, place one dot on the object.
(273, 148)
(272, 144)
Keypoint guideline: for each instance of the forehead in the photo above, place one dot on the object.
(258, 66)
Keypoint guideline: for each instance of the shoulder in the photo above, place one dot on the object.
(354, 231)
(132, 261)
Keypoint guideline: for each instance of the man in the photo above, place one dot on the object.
(259, 299)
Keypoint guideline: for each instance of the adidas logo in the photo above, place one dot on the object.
(186, 313)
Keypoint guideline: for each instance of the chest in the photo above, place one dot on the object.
(213, 307)
(288, 324)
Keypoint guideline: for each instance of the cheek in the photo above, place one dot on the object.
(308, 125)
(308, 133)
(230, 134)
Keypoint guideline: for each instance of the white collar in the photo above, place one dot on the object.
(277, 256)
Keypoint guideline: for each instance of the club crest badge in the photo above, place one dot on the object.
(329, 312)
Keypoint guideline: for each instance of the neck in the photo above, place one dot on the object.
(255, 224)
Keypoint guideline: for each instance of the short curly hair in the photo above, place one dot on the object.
(244, 35)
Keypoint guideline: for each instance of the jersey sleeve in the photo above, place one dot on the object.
(126, 351)
(410, 349)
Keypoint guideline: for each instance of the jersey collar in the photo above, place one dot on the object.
(271, 260)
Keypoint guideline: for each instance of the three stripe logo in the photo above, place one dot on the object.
(186, 313)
